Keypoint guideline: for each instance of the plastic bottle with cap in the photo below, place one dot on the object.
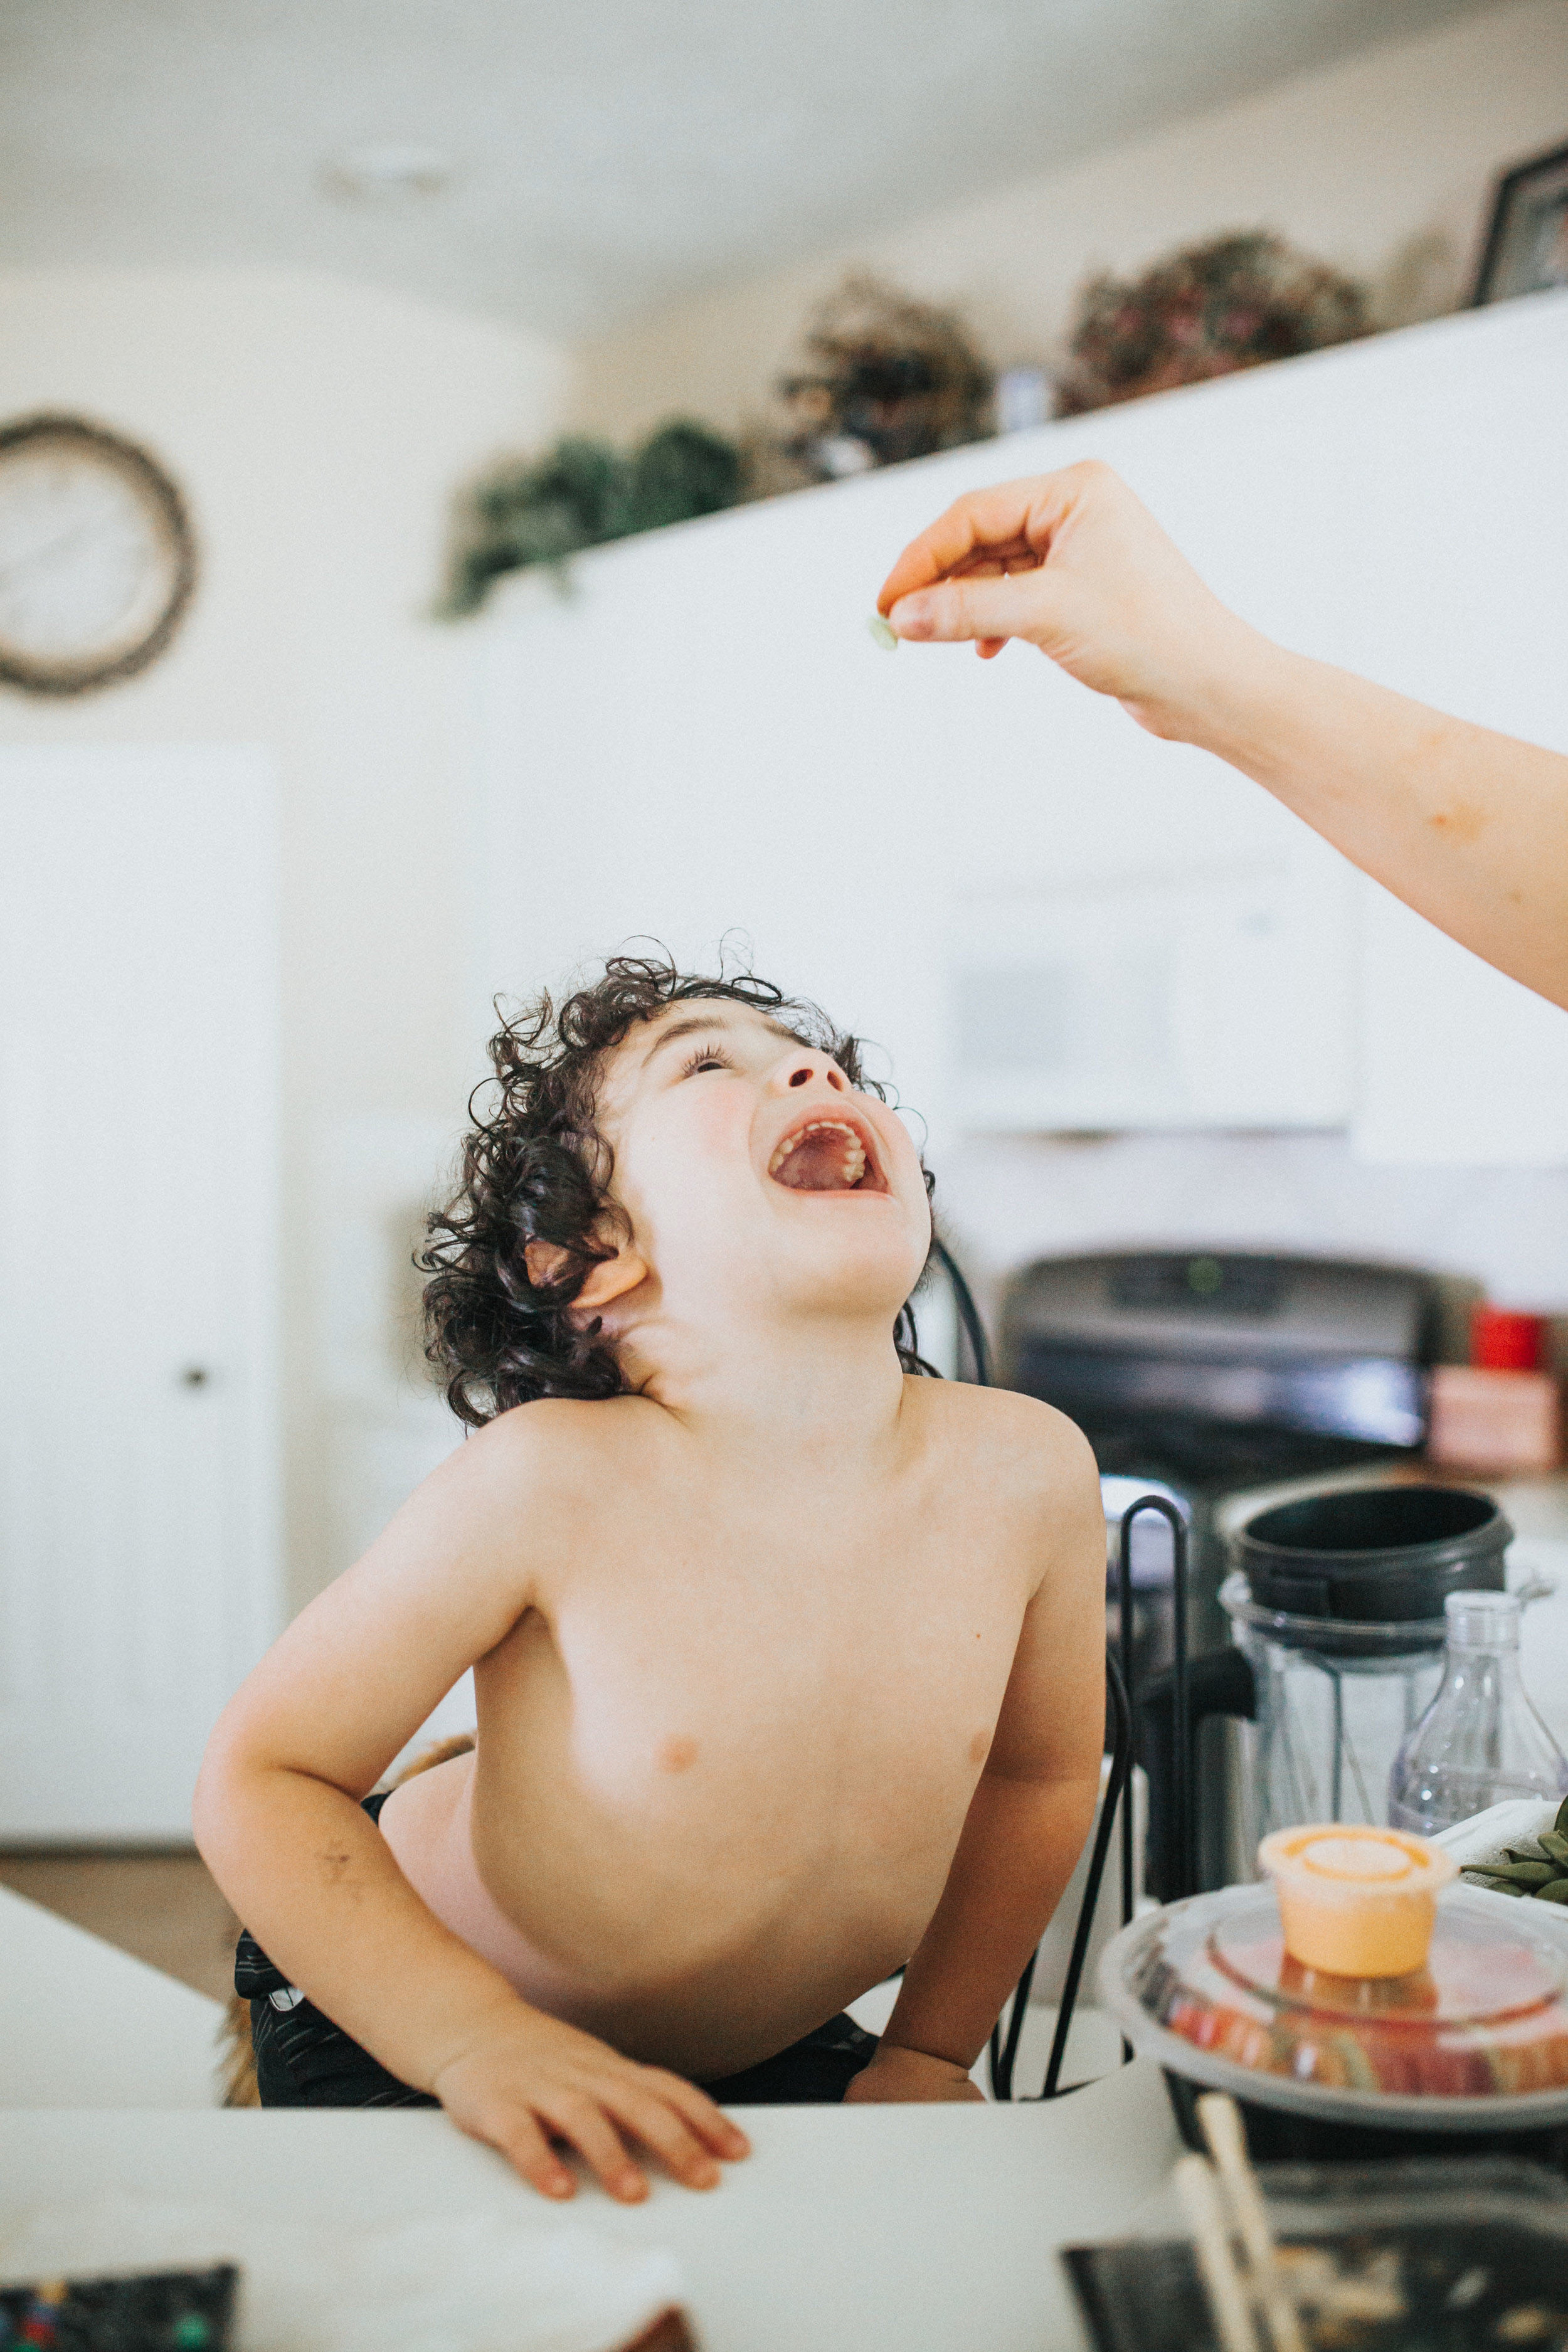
(1480, 1740)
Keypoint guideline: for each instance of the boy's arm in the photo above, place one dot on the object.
(1028, 1819)
(278, 1818)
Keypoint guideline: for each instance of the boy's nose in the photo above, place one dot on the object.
(799, 1069)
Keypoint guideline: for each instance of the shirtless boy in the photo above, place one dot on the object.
(788, 1662)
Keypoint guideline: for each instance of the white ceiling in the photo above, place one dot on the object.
(611, 155)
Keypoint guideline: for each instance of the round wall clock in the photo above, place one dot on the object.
(96, 557)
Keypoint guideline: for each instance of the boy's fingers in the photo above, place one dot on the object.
(711, 2124)
(528, 2151)
(578, 2117)
(658, 2126)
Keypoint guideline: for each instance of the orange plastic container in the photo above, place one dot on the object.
(1356, 1902)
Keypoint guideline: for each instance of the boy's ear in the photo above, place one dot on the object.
(608, 1277)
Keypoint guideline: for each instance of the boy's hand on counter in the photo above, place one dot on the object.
(1076, 563)
(897, 2073)
(529, 2080)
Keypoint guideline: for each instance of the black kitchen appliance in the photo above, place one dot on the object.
(1203, 1375)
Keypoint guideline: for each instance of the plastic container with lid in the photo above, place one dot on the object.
(1324, 2064)
(1356, 1902)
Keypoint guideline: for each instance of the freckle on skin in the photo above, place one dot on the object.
(678, 1754)
(1461, 821)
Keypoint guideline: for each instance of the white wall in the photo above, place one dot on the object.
(319, 429)
(1383, 165)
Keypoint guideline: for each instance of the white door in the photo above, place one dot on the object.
(139, 1574)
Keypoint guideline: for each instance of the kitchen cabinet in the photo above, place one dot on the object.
(1046, 918)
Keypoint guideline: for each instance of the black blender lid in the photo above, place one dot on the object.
(1362, 1519)
(1376, 1553)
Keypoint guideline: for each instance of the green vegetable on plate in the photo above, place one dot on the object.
(1540, 1877)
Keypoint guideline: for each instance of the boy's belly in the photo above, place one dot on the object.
(705, 1975)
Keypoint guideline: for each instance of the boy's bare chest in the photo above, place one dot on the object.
(715, 1650)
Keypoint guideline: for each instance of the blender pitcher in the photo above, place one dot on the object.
(1337, 1604)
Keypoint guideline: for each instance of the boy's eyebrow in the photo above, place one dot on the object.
(696, 1022)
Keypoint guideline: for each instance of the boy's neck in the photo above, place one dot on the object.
(827, 1388)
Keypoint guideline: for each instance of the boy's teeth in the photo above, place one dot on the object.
(842, 1167)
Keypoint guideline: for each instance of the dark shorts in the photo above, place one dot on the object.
(303, 2060)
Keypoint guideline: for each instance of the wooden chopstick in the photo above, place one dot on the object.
(1221, 2121)
(1197, 2187)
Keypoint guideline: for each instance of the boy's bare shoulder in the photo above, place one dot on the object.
(1011, 1437)
(534, 1460)
(1001, 1417)
(561, 1436)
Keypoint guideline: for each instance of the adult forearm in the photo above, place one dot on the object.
(1020, 1843)
(1469, 827)
(315, 1883)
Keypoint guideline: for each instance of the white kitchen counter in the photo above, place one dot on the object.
(916, 2229)
(922, 2229)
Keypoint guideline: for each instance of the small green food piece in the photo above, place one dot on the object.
(886, 637)
(1485, 1877)
(1562, 1820)
(1554, 1842)
(1525, 1873)
(1554, 1891)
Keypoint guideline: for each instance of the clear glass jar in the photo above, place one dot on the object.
(1480, 1741)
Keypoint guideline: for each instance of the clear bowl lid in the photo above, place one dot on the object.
(1477, 2037)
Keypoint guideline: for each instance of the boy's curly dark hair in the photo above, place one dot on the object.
(535, 1167)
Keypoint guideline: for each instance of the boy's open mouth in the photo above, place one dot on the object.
(826, 1155)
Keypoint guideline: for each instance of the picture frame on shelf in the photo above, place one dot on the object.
(1526, 249)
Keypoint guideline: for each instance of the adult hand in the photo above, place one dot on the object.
(529, 2079)
(1074, 563)
(896, 2074)
(1469, 827)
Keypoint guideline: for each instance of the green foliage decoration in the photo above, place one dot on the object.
(1233, 301)
(884, 379)
(583, 493)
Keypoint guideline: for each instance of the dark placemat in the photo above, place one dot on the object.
(1465, 2286)
(164, 2311)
